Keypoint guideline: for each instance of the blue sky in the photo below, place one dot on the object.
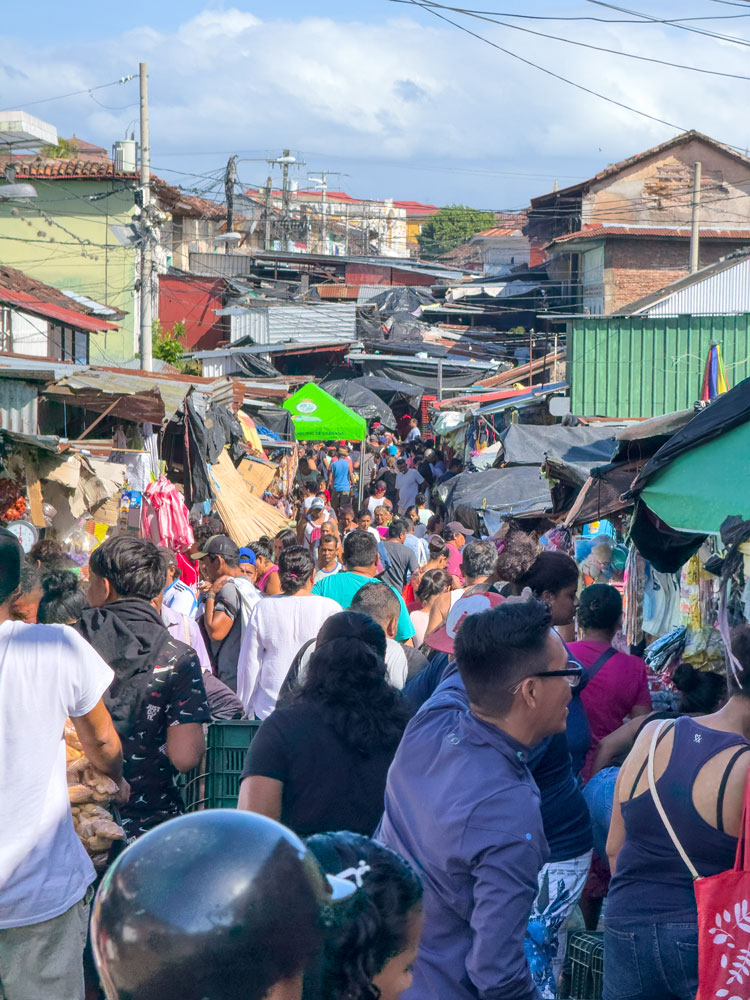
(403, 105)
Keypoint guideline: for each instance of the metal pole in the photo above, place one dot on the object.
(440, 380)
(323, 227)
(696, 221)
(230, 177)
(285, 198)
(267, 228)
(146, 249)
(554, 363)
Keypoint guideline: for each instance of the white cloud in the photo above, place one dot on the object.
(407, 91)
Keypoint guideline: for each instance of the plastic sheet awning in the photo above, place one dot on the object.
(583, 446)
(506, 492)
(362, 400)
(318, 416)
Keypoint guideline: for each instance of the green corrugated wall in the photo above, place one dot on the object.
(630, 366)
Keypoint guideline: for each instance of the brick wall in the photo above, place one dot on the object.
(634, 268)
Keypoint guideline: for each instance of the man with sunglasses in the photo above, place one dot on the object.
(462, 807)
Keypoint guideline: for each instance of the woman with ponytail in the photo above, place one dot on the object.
(369, 956)
(320, 762)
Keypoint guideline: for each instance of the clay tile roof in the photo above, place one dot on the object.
(594, 232)
(48, 168)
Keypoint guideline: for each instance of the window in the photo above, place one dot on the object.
(6, 330)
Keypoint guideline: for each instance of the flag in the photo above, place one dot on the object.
(714, 376)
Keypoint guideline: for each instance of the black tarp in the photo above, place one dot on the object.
(361, 399)
(726, 412)
(516, 490)
(391, 391)
(275, 418)
(425, 376)
(401, 299)
(582, 446)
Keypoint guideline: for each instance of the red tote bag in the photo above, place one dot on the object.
(723, 902)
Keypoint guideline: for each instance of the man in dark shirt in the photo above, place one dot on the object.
(400, 561)
(223, 608)
(157, 700)
(462, 806)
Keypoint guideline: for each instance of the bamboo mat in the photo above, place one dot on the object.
(245, 517)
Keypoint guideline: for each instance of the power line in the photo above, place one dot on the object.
(683, 27)
(572, 41)
(543, 69)
(74, 93)
(610, 20)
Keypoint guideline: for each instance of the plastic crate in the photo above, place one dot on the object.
(215, 783)
(585, 959)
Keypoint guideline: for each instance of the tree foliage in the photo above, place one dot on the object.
(167, 344)
(66, 149)
(450, 227)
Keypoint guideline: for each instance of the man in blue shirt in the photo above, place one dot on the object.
(463, 808)
(340, 476)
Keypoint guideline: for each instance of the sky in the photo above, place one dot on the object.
(392, 100)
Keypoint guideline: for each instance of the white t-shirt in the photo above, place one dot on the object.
(373, 503)
(47, 673)
(279, 626)
(397, 666)
(407, 484)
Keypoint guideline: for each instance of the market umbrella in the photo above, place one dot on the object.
(360, 399)
(714, 376)
(319, 416)
(703, 486)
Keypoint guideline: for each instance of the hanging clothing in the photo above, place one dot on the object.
(164, 516)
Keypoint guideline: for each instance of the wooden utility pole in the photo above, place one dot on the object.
(147, 261)
(695, 231)
(230, 177)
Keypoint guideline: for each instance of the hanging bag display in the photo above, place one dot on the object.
(723, 903)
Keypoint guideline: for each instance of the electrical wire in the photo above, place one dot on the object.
(683, 27)
(609, 20)
(74, 93)
(571, 41)
(543, 69)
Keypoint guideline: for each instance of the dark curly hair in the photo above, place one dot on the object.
(296, 566)
(551, 571)
(347, 676)
(63, 600)
(377, 928)
(600, 606)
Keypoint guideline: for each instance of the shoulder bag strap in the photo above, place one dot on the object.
(660, 808)
(742, 859)
(597, 665)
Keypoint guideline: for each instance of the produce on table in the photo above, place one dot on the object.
(90, 792)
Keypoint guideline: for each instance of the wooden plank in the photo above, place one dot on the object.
(36, 499)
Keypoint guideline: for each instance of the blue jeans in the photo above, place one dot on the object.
(599, 794)
(651, 962)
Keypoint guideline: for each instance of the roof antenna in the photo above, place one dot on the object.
(556, 185)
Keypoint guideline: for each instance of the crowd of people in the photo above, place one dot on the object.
(451, 722)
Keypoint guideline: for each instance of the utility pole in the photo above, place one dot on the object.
(267, 215)
(147, 262)
(695, 234)
(230, 178)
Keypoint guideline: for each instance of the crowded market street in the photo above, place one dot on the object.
(374, 572)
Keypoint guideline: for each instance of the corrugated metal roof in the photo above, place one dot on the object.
(38, 369)
(95, 307)
(18, 406)
(143, 398)
(306, 324)
(723, 287)
(337, 291)
(68, 317)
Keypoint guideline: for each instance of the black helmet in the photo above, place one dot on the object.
(217, 905)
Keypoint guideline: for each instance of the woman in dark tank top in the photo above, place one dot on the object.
(701, 766)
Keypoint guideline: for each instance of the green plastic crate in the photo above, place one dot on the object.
(215, 783)
(585, 959)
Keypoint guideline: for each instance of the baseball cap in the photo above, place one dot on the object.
(380, 486)
(247, 555)
(218, 545)
(459, 528)
(318, 504)
(11, 556)
(472, 604)
(392, 449)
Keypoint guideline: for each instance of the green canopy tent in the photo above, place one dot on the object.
(701, 487)
(318, 416)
